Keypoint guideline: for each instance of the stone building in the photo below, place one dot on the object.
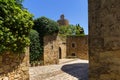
(62, 21)
(77, 46)
(54, 49)
(57, 47)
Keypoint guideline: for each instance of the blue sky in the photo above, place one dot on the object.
(76, 11)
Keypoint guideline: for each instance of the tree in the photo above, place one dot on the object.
(79, 30)
(15, 25)
(66, 30)
(35, 50)
(71, 30)
(45, 26)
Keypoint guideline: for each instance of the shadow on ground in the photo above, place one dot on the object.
(78, 70)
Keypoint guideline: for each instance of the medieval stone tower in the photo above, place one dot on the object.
(62, 21)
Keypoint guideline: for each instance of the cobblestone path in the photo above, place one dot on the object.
(72, 70)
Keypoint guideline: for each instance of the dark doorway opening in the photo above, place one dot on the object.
(73, 45)
(60, 53)
(73, 54)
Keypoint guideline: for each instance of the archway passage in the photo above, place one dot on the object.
(60, 54)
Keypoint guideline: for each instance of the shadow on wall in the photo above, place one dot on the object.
(78, 70)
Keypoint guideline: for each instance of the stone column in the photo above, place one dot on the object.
(14, 66)
(104, 39)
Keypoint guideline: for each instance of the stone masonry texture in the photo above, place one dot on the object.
(77, 45)
(104, 39)
(51, 49)
(14, 66)
(57, 47)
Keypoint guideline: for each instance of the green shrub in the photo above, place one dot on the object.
(35, 50)
(45, 26)
(15, 25)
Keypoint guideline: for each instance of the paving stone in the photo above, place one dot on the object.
(71, 70)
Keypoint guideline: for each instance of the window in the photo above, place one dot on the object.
(52, 47)
(73, 45)
(73, 54)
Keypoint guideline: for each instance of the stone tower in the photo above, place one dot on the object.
(62, 21)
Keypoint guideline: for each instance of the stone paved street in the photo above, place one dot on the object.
(67, 70)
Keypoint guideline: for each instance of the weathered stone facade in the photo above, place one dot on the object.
(14, 66)
(57, 47)
(62, 47)
(51, 50)
(104, 39)
(77, 46)
(54, 49)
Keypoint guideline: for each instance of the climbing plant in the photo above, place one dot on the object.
(15, 25)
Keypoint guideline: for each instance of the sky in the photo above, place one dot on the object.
(76, 11)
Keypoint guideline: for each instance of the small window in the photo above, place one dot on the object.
(73, 45)
(73, 54)
(63, 43)
(52, 47)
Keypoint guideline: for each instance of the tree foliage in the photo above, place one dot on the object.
(15, 25)
(79, 30)
(67, 30)
(71, 30)
(35, 50)
(45, 26)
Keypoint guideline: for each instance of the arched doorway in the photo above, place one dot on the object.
(60, 54)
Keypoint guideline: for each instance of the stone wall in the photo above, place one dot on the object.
(14, 66)
(63, 50)
(51, 49)
(54, 49)
(62, 44)
(104, 39)
(77, 46)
